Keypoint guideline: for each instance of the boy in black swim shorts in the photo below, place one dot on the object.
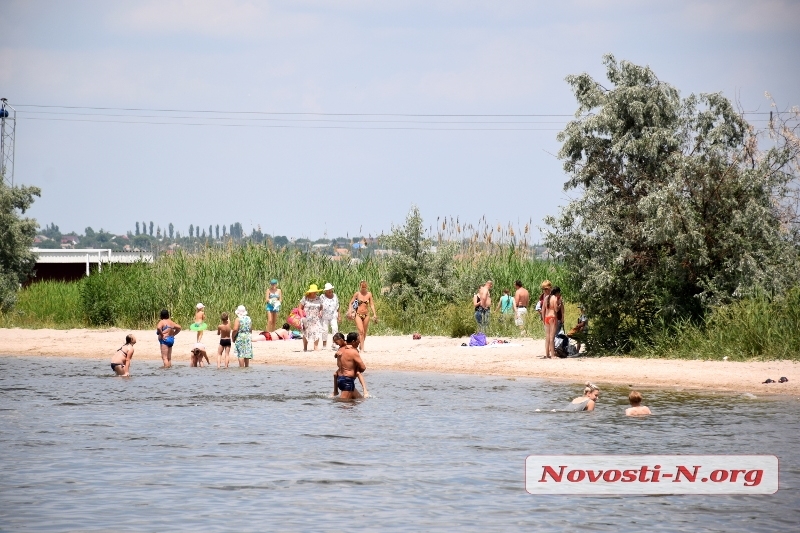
(342, 382)
(224, 332)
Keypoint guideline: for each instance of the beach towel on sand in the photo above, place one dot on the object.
(477, 339)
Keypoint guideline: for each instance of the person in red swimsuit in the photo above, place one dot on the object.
(550, 311)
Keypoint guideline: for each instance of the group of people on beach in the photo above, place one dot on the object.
(316, 314)
(550, 308)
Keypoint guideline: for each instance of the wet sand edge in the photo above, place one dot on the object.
(432, 354)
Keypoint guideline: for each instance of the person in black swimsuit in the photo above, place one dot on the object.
(121, 360)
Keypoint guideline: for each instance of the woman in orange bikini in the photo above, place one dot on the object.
(358, 310)
(552, 303)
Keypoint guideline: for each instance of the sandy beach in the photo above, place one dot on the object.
(431, 354)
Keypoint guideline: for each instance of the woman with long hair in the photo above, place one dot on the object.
(358, 310)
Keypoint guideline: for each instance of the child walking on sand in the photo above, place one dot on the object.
(199, 321)
(339, 340)
(224, 332)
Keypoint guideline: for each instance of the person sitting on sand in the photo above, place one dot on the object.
(224, 332)
(591, 393)
(350, 364)
(283, 333)
(339, 340)
(121, 360)
(166, 330)
(199, 325)
(636, 408)
(198, 354)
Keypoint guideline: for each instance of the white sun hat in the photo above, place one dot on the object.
(328, 287)
(200, 306)
(241, 311)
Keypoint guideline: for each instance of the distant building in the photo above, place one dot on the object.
(69, 241)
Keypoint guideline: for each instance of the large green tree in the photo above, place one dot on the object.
(675, 205)
(418, 273)
(16, 238)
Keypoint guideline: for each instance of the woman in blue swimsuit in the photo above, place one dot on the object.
(166, 330)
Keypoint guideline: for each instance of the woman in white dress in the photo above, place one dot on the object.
(311, 304)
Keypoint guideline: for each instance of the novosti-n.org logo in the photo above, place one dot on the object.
(651, 474)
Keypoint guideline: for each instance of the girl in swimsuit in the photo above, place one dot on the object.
(166, 330)
(274, 299)
(551, 306)
(358, 310)
(586, 402)
(121, 360)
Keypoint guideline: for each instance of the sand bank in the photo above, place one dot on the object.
(431, 354)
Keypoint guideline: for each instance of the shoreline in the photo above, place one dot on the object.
(430, 354)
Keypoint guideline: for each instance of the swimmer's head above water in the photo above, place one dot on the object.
(591, 390)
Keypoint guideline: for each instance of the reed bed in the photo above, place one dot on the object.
(131, 296)
(760, 327)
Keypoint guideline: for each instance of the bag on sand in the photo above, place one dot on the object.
(561, 343)
(477, 339)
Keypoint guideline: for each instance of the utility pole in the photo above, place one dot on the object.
(8, 126)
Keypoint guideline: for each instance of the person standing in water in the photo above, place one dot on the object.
(274, 299)
(591, 393)
(330, 313)
(522, 299)
(358, 310)
(121, 360)
(350, 365)
(166, 330)
(242, 335)
(224, 332)
(636, 408)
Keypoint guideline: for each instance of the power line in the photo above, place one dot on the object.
(285, 126)
(296, 119)
(290, 113)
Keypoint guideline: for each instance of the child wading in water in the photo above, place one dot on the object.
(636, 408)
(339, 340)
(224, 332)
(199, 321)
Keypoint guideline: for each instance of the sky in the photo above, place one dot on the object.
(325, 119)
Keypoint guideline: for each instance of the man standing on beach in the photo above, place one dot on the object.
(349, 363)
(484, 305)
(521, 301)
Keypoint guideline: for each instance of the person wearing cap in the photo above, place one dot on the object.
(242, 336)
(330, 313)
(311, 305)
(274, 299)
(199, 325)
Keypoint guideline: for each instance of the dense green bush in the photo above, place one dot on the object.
(677, 208)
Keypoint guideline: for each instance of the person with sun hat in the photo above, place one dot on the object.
(311, 305)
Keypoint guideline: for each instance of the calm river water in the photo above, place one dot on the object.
(266, 449)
